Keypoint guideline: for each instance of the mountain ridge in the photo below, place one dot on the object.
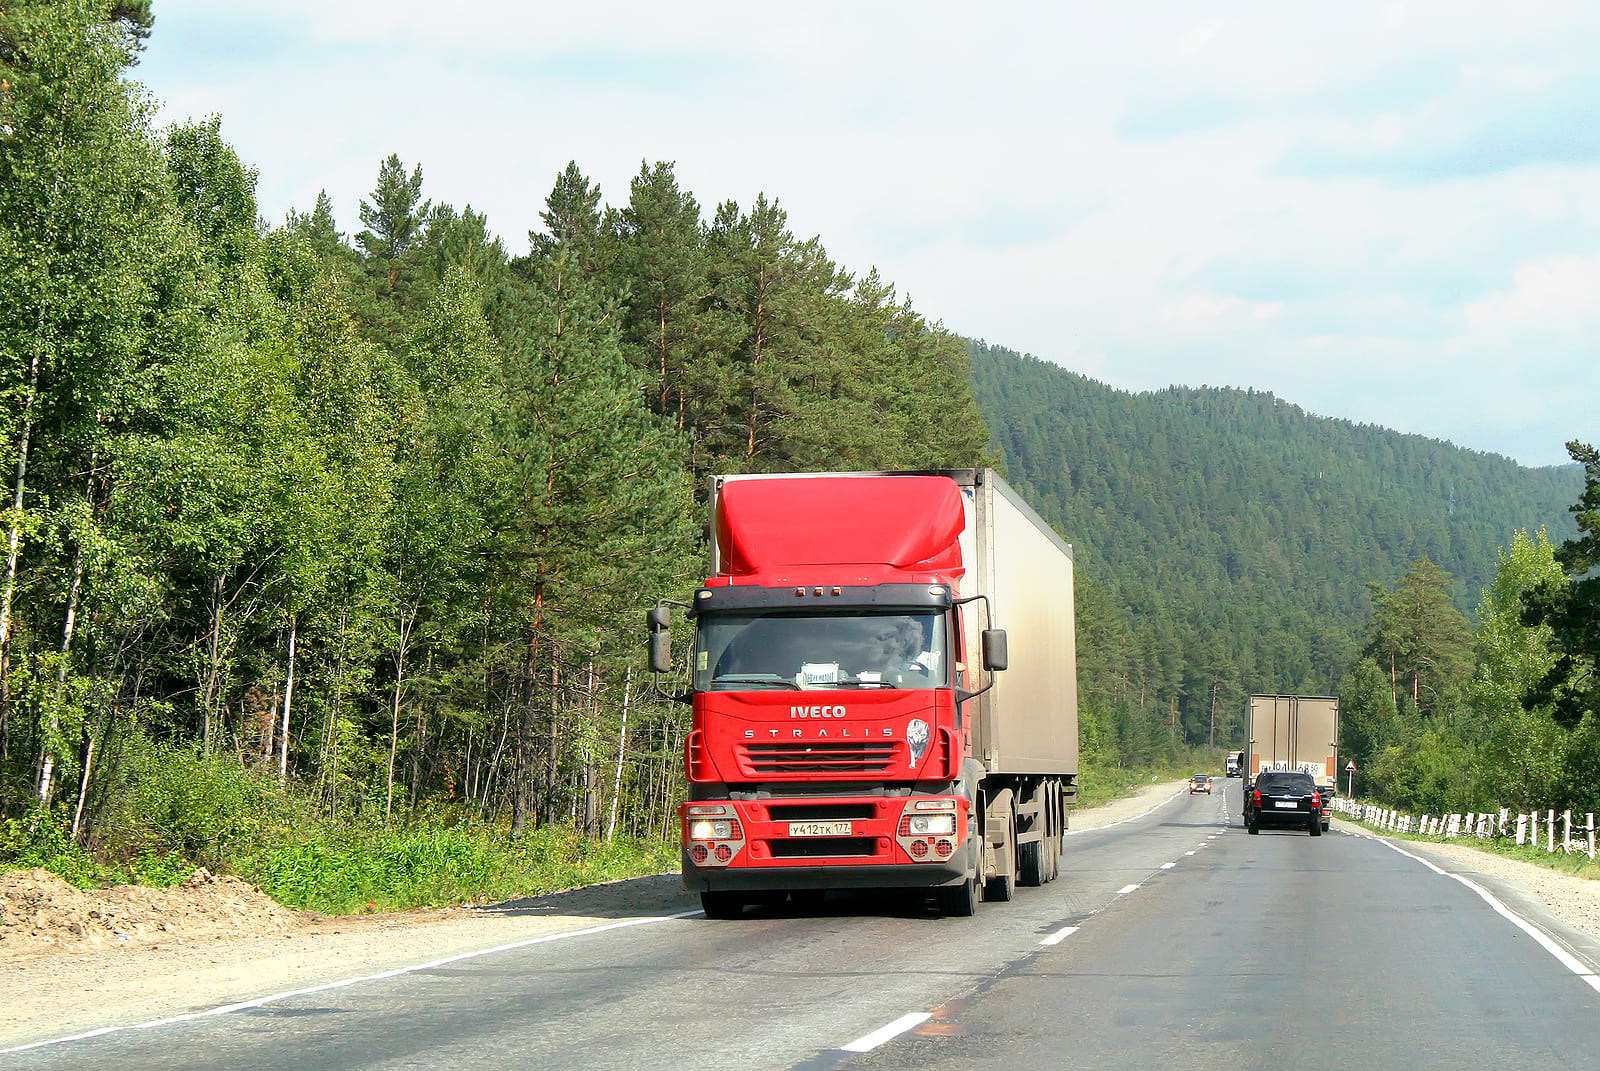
(1236, 532)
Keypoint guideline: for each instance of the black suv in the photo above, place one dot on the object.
(1283, 798)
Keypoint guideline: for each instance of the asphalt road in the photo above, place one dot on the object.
(1172, 941)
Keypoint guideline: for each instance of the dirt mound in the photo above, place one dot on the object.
(39, 912)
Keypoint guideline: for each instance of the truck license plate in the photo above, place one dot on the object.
(1287, 805)
(819, 829)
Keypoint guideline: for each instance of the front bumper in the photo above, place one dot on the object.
(844, 874)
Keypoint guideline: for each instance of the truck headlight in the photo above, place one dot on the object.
(933, 825)
(709, 829)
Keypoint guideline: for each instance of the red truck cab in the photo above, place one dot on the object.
(828, 747)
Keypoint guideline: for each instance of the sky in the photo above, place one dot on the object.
(1386, 212)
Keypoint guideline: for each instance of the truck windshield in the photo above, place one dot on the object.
(742, 651)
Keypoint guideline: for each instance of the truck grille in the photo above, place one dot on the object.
(820, 757)
(823, 847)
(821, 812)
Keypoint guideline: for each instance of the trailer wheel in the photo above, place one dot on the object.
(722, 905)
(1030, 863)
(1033, 858)
(1058, 814)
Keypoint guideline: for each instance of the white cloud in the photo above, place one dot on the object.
(1128, 190)
(1228, 312)
(1549, 296)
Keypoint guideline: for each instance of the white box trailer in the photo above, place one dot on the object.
(1294, 732)
(1027, 723)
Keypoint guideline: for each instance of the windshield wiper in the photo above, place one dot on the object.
(760, 680)
(857, 684)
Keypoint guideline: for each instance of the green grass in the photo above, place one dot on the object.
(1099, 784)
(175, 810)
(429, 863)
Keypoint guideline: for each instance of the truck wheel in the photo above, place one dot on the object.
(1003, 886)
(1030, 865)
(722, 905)
(959, 901)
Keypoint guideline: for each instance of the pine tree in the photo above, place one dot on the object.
(574, 226)
(596, 509)
(320, 231)
(1420, 639)
(1570, 607)
(395, 219)
(668, 329)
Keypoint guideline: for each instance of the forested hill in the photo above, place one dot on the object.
(1236, 532)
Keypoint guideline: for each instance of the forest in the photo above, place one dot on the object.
(1238, 534)
(1243, 546)
(315, 536)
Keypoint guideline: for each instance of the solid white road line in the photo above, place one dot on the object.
(893, 1030)
(1565, 958)
(346, 982)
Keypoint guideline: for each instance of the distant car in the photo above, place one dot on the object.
(1283, 798)
(1200, 783)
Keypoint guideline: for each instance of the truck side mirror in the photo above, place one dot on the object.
(995, 656)
(659, 619)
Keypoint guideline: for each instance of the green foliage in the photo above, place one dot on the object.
(1423, 771)
(1570, 607)
(1422, 640)
(1369, 719)
(42, 838)
(1500, 750)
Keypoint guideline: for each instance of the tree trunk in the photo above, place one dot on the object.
(14, 536)
(522, 747)
(288, 700)
(47, 759)
(552, 759)
(394, 716)
(20, 479)
(622, 747)
(328, 758)
(212, 687)
(83, 782)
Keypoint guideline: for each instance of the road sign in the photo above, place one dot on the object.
(1350, 767)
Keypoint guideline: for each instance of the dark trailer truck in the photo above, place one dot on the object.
(884, 690)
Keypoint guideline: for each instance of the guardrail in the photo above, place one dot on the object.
(1535, 828)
